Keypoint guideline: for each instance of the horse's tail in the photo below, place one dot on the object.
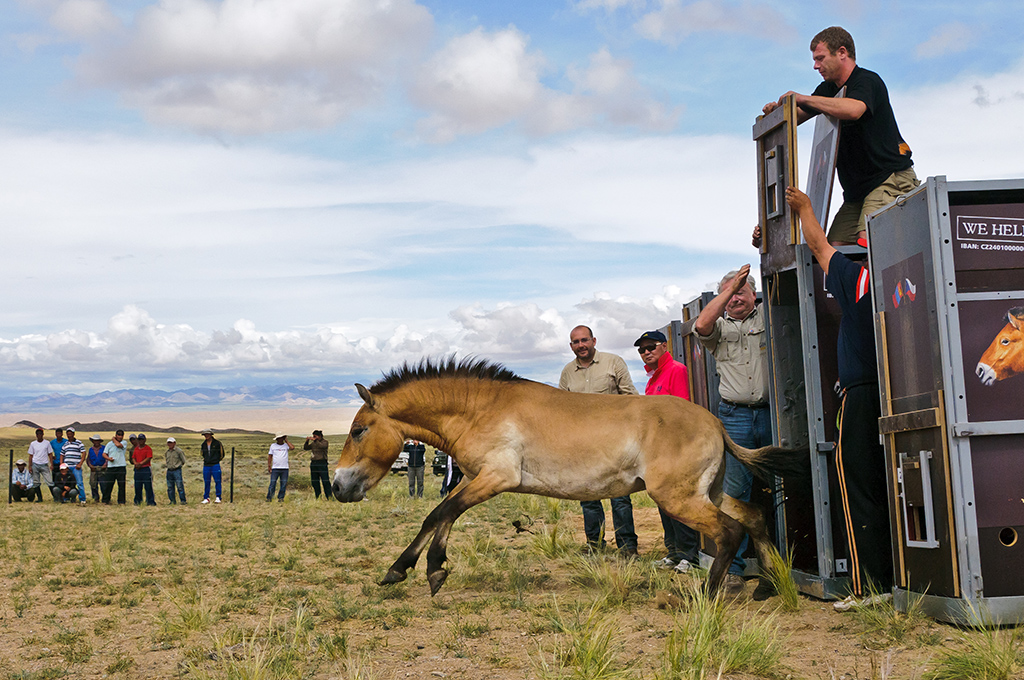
(769, 461)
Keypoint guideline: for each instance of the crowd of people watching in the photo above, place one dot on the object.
(59, 465)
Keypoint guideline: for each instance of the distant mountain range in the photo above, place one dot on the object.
(324, 394)
(106, 425)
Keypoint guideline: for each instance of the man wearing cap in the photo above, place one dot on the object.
(593, 372)
(318, 474)
(666, 376)
(116, 455)
(213, 454)
(65, 486)
(40, 456)
(97, 465)
(277, 466)
(731, 327)
(73, 454)
(175, 458)
(142, 459)
(21, 482)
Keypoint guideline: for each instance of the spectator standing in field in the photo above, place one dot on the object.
(142, 459)
(175, 458)
(452, 476)
(318, 475)
(40, 455)
(277, 466)
(116, 455)
(873, 161)
(97, 465)
(417, 462)
(213, 454)
(594, 372)
(21, 482)
(666, 376)
(731, 327)
(859, 456)
(57, 444)
(73, 454)
(65, 486)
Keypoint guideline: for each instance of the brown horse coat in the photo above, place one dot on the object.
(511, 434)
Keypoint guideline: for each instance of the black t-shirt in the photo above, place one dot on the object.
(850, 283)
(871, 147)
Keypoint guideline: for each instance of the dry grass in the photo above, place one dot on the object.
(273, 591)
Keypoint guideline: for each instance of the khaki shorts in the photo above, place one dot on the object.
(850, 219)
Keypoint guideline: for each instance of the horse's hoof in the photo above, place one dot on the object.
(393, 576)
(765, 589)
(436, 580)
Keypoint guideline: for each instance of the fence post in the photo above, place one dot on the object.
(231, 499)
(10, 474)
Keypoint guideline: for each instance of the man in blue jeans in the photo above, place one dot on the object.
(213, 454)
(596, 372)
(731, 327)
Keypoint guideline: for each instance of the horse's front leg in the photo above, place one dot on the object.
(407, 560)
(486, 485)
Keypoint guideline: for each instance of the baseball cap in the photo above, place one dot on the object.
(70, 429)
(142, 436)
(172, 440)
(63, 466)
(655, 336)
(207, 431)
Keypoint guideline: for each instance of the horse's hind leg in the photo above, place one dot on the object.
(486, 485)
(752, 519)
(705, 517)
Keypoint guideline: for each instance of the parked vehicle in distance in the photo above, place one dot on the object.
(401, 463)
(440, 463)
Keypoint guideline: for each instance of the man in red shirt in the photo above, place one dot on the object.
(666, 376)
(142, 459)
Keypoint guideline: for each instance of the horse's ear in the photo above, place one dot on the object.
(365, 395)
(1016, 317)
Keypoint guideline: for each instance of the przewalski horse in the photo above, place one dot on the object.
(1004, 358)
(512, 434)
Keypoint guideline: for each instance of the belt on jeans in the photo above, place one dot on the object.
(760, 404)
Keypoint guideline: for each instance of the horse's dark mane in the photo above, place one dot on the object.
(446, 367)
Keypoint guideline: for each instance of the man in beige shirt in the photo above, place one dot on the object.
(593, 372)
(731, 327)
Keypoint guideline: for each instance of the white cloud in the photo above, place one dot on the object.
(251, 66)
(84, 18)
(485, 80)
(674, 20)
(946, 39)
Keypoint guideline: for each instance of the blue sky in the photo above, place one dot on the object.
(244, 192)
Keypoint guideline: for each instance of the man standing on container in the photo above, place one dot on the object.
(594, 372)
(40, 456)
(318, 474)
(859, 457)
(874, 162)
(731, 327)
(213, 454)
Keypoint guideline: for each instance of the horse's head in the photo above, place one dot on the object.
(1005, 356)
(373, 444)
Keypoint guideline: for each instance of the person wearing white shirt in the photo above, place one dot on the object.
(277, 466)
(40, 455)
